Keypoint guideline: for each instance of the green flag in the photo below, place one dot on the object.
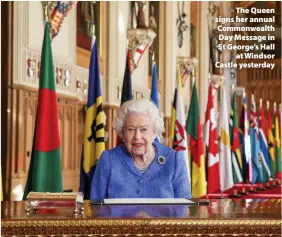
(237, 163)
(45, 170)
(194, 129)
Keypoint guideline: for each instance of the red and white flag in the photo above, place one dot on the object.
(211, 141)
(180, 137)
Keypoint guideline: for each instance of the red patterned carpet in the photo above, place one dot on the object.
(267, 192)
(274, 192)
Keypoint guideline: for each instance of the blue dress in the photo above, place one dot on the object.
(117, 177)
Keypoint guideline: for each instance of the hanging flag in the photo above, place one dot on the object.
(254, 135)
(225, 163)
(245, 142)
(211, 142)
(154, 88)
(270, 141)
(264, 155)
(45, 170)
(237, 164)
(138, 48)
(277, 146)
(194, 129)
(180, 136)
(94, 133)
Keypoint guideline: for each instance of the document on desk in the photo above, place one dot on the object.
(144, 201)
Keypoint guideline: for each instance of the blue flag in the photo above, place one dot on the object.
(154, 89)
(94, 134)
(255, 147)
(264, 155)
(257, 166)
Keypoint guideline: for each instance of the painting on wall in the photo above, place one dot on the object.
(193, 41)
(88, 15)
(154, 25)
(194, 26)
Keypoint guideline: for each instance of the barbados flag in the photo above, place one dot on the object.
(94, 133)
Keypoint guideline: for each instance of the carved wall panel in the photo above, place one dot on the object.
(263, 83)
(111, 137)
(71, 128)
(166, 135)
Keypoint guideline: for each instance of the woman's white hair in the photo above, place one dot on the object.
(144, 106)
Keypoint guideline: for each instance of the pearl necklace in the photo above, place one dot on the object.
(143, 169)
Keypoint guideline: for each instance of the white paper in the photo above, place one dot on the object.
(148, 201)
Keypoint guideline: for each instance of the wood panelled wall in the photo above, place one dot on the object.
(6, 78)
(263, 83)
(22, 117)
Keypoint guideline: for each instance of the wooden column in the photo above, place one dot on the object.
(6, 78)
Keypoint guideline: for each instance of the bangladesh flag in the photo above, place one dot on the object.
(45, 170)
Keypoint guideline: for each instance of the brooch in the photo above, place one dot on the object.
(161, 160)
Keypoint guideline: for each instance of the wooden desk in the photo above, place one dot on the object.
(255, 217)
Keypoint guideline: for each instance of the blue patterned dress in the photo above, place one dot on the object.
(117, 177)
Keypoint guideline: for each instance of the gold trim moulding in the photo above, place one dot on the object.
(147, 226)
(34, 196)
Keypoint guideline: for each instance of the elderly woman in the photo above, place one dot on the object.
(140, 167)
